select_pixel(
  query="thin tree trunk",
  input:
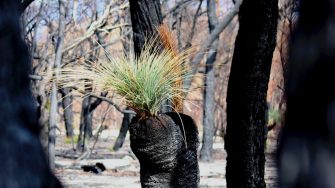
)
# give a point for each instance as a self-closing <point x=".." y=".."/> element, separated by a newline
<point x="246" y="97"/>
<point x="123" y="130"/>
<point x="206" y="152"/>
<point x="126" y="116"/>
<point x="82" y="126"/>
<point x="52" y="127"/>
<point x="68" y="114"/>
<point x="53" y="108"/>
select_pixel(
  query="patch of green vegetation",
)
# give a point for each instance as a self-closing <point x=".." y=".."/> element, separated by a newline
<point x="68" y="140"/>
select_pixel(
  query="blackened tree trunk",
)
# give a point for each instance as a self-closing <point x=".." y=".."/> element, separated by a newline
<point x="206" y="151"/>
<point x="308" y="136"/>
<point x="68" y="114"/>
<point x="146" y="15"/>
<point x="85" y="131"/>
<point x="246" y="96"/>
<point x="123" y="131"/>
<point x="165" y="145"/>
<point x="167" y="158"/>
<point x="23" y="162"/>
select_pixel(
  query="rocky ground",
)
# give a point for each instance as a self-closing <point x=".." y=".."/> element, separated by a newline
<point x="122" y="167"/>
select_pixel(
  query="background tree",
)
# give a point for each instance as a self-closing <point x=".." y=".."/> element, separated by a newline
<point x="206" y="152"/>
<point x="246" y="98"/>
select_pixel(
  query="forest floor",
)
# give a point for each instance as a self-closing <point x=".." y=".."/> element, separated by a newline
<point x="122" y="167"/>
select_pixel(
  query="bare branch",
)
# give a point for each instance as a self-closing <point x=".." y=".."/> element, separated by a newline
<point x="113" y="104"/>
<point x="95" y="26"/>
<point x="208" y="42"/>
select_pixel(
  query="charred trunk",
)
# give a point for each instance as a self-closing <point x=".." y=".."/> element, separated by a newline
<point x="167" y="158"/>
<point x="23" y="162"/>
<point x="246" y="96"/>
<point x="68" y="114"/>
<point x="308" y="136"/>
<point x="123" y="131"/>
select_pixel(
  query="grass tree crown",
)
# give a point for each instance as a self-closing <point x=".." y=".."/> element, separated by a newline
<point x="144" y="82"/>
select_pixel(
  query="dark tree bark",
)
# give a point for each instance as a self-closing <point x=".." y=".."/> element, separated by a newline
<point x="206" y="151"/>
<point x="123" y="131"/>
<point x="68" y="114"/>
<point x="167" y="158"/>
<point x="308" y="137"/>
<point x="85" y="121"/>
<point x="23" y="162"/>
<point x="146" y="15"/>
<point x="246" y="96"/>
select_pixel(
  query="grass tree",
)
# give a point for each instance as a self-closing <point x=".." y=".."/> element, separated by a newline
<point x="165" y="144"/>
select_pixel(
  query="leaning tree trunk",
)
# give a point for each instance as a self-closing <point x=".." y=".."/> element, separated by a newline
<point x="246" y="95"/>
<point x="167" y="158"/>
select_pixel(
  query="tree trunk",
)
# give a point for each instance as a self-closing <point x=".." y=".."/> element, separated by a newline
<point x="68" y="114"/>
<point x="167" y="158"/>
<point x="23" y="163"/>
<point x="126" y="116"/>
<point x="160" y="146"/>
<point x="308" y="136"/>
<point x="246" y="96"/>
<point x="123" y="131"/>
<point x="146" y="15"/>
<point x="83" y="127"/>
<point x="54" y="103"/>
<point x="206" y="152"/>
<point x="52" y="127"/>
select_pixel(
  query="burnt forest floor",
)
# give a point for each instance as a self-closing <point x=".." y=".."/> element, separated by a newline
<point x="122" y="167"/>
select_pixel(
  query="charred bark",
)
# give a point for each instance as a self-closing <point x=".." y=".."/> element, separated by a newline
<point x="123" y="131"/>
<point x="246" y="96"/>
<point x="308" y="136"/>
<point x="23" y="162"/>
<point x="160" y="146"/>
<point x="146" y="15"/>
<point x="68" y="114"/>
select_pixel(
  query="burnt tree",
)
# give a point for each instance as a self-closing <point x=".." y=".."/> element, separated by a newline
<point x="166" y="144"/>
<point x="246" y="95"/>
<point x="306" y="151"/>
<point x="145" y="16"/>
<point x="23" y="163"/>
